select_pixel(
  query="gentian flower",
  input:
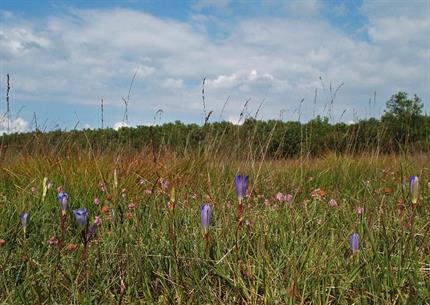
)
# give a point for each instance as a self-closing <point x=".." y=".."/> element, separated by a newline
<point x="205" y="213"/>
<point x="81" y="216"/>
<point x="63" y="198"/>
<point x="353" y="241"/>
<point x="24" y="220"/>
<point x="413" y="188"/>
<point x="241" y="182"/>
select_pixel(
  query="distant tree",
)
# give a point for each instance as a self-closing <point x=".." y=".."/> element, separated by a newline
<point x="403" y="118"/>
<point x="400" y="107"/>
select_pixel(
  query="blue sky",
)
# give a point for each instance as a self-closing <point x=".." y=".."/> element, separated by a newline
<point x="64" y="56"/>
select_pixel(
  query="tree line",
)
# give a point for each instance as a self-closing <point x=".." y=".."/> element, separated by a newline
<point x="403" y="127"/>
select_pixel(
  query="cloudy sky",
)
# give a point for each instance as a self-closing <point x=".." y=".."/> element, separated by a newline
<point x="64" y="56"/>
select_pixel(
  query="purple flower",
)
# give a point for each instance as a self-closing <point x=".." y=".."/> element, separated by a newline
<point x="359" y="210"/>
<point x="413" y="188"/>
<point x="332" y="202"/>
<point x="96" y="201"/>
<point x="289" y="198"/>
<point x="63" y="198"/>
<point x="24" y="220"/>
<point x="353" y="241"/>
<point x="81" y="216"/>
<point x="241" y="182"/>
<point x="205" y="213"/>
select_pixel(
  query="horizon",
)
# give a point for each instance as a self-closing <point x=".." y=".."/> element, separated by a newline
<point x="63" y="57"/>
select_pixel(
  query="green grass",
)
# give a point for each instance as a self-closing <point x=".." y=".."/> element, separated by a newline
<point x="296" y="253"/>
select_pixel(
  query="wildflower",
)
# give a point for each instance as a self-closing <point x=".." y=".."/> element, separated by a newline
<point x="97" y="221"/>
<point x="387" y="190"/>
<point x="105" y="209"/>
<point x="53" y="241"/>
<point x="71" y="247"/>
<point x="194" y="196"/>
<point x="413" y="188"/>
<point x="96" y="201"/>
<point x="24" y="220"/>
<point x="205" y="214"/>
<point x="2" y="242"/>
<point x="141" y="181"/>
<point x="228" y="204"/>
<point x="241" y="182"/>
<point x="281" y="197"/>
<point x="359" y="210"/>
<point x="289" y="198"/>
<point x="332" y="202"/>
<point x="164" y="183"/>
<point x="81" y="216"/>
<point x="102" y="187"/>
<point x="33" y="189"/>
<point x="353" y="241"/>
<point x="319" y="221"/>
<point x="63" y="198"/>
<point x="59" y="189"/>
<point x="318" y="194"/>
<point x="131" y="206"/>
<point x="266" y="202"/>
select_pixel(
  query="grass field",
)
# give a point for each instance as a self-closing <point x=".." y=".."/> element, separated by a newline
<point x="150" y="248"/>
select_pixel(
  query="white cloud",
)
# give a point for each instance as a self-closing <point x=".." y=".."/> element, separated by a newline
<point x="119" y="125"/>
<point x="173" y="83"/>
<point x="305" y="7"/>
<point x="86" y="54"/>
<point x="12" y="126"/>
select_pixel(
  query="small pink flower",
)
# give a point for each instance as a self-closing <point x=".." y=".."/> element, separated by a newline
<point x="97" y="221"/>
<point x="319" y="221"/>
<point x="52" y="241"/>
<point x="266" y="202"/>
<point x="33" y="189"/>
<point x="96" y="201"/>
<point x="359" y="210"/>
<point x="247" y="222"/>
<point x="289" y="198"/>
<point x="228" y="204"/>
<point x="194" y="196"/>
<point x="131" y="206"/>
<point x="141" y="181"/>
<point x="169" y="205"/>
<point x="332" y="202"/>
<point x="281" y="197"/>
<point x="164" y="183"/>
<point x="102" y="187"/>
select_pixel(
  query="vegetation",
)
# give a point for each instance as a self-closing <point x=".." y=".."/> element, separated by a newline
<point x="403" y="127"/>
<point x="340" y="228"/>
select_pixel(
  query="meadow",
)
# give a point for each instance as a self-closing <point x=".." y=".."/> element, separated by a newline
<point x="143" y="241"/>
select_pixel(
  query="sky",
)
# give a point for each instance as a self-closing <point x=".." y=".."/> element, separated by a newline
<point x="269" y="59"/>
